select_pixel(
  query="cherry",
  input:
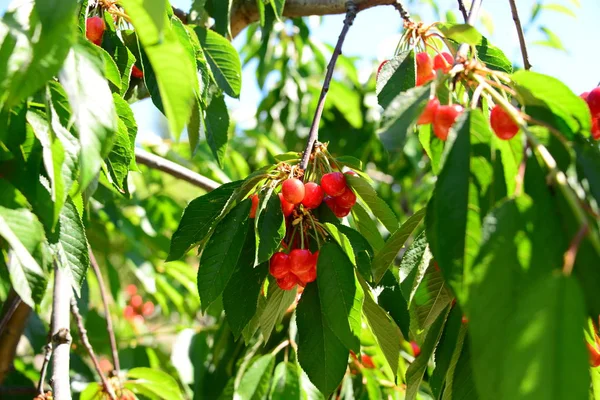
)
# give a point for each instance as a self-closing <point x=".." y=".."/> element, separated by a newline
<point x="313" y="195"/>
<point x="333" y="183"/>
<point x="308" y="276"/>
<point x="254" y="207"/>
<point x="301" y="260"/>
<point x="136" y="72"/>
<point x="129" y="312"/>
<point x="593" y="100"/>
<point x="287" y="282"/>
<point x="293" y="190"/>
<point x="286" y="208"/>
<point x="443" y="61"/>
<point x="350" y="173"/>
<point x="596" y="128"/>
<point x="338" y="211"/>
<point x="94" y="29"/>
<point x="584" y="95"/>
<point x="131" y="289"/>
<point x="136" y="301"/>
<point x="429" y="111"/>
<point x="594" y="354"/>
<point x="425" y="72"/>
<point x="415" y="348"/>
<point x="279" y="266"/>
<point x="346" y="199"/>
<point x="503" y="125"/>
<point x="105" y="365"/>
<point x="381" y="66"/>
<point x="444" y="118"/>
<point x="148" y="308"/>
<point x="464" y="319"/>
<point x="367" y="361"/>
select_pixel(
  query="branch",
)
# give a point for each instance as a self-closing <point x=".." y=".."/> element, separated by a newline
<point x="11" y="330"/>
<point x="404" y="14"/>
<point x="245" y="12"/>
<point x="44" y="369"/>
<point x="522" y="44"/>
<point x="153" y="161"/>
<point x="109" y="325"/>
<point x="86" y="343"/>
<point x="314" y="129"/>
<point x="463" y="10"/>
<point x="61" y="338"/>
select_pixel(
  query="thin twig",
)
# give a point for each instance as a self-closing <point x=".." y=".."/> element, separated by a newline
<point x="463" y="10"/>
<point x="461" y="54"/>
<point x="522" y="43"/>
<point x="402" y="10"/>
<point x="109" y="325"/>
<point x="61" y="337"/>
<point x="571" y="252"/>
<point x="153" y="161"/>
<point x="86" y="343"/>
<point x="314" y="129"/>
<point x="44" y="369"/>
<point x="520" y="178"/>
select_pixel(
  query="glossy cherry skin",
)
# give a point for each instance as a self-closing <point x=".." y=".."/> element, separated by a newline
<point x="584" y="95"/>
<point x="333" y="183"/>
<point x="293" y="191"/>
<point x="415" y="348"/>
<point x="301" y="260"/>
<point x="254" y="207"/>
<point x="429" y="112"/>
<point x="444" y="118"/>
<point x="308" y="276"/>
<point x="286" y="208"/>
<point x="129" y="312"/>
<point x="346" y="199"/>
<point x="593" y="100"/>
<point x="425" y="72"/>
<point x="131" y="289"/>
<point x="313" y="195"/>
<point x="503" y="125"/>
<point x="94" y="29"/>
<point x="287" y="282"/>
<point x="136" y="301"/>
<point x="148" y="308"/>
<point x="279" y="265"/>
<point x="367" y="361"/>
<point x="136" y="72"/>
<point x="596" y="128"/>
<point x="338" y="211"/>
<point x="443" y="61"/>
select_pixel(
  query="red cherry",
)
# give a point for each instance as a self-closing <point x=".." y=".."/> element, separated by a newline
<point x="254" y="207"/>
<point x="425" y="72"/>
<point x="300" y="261"/>
<point x="279" y="266"/>
<point x="313" y="195"/>
<point x="427" y="115"/>
<point x="136" y="301"/>
<point x="94" y="29"/>
<point x="308" y="276"/>
<point x="338" y="211"/>
<point x="131" y="289"/>
<point x="293" y="190"/>
<point x="444" y="118"/>
<point x="503" y="125"/>
<point x="596" y="128"/>
<point x="333" y="183"/>
<point x="136" y="72"/>
<point x="464" y="319"/>
<point x="594" y="354"/>
<point x="129" y="312"/>
<point x="584" y="95"/>
<point x="415" y="348"/>
<point x="381" y="66"/>
<point x="593" y="101"/>
<point x="287" y="282"/>
<point x="346" y="199"/>
<point x="148" y="308"/>
<point x="443" y="61"/>
<point x="367" y="361"/>
<point x="286" y="208"/>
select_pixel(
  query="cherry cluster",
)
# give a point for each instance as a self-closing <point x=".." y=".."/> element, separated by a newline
<point x="593" y="101"/>
<point x="136" y="309"/>
<point x="296" y="264"/>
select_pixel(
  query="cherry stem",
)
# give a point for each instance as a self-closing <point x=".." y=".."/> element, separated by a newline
<point x="571" y="252"/>
<point x="312" y="221"/>
<point x="291" y="242"/>
<point x="301" y="235"/>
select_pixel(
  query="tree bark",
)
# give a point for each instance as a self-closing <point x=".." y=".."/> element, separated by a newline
<point x="12" y="331"/>
<point x="61" y="337"/>
<point x="245" y="12"/>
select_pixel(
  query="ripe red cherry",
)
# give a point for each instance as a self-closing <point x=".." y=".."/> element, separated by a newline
<point x="346" y="199"/>
<point x="333" y="183"/>
<point x="444" y="118"/>
<point x="136" y="72"/>
<point x="593" y="101"/>
<point x="425" y="72"/>
<point x="287" y="282"/>
<point x="443" y="61"/>
<point x="279" y="265"/>
<point x="367" y="361"/>
<point x="584" y="95"/>
<point x="313" y="195"/>
<point x="308" y="276"/>
<point x="427" y="115"/>
<point x="596" y="128"/>
<point x="136" y="301"/>
<point x="94" y="29"/>
<point x="503" y="125"/>
<point x="129" y="312"/>
<point x="131" y="289"/>
<point x="148" y="308"/>
<point x="338" y="211"/>
<point x="286" y="207"/>
<point x="254" y="207"/>
<point x="381" y="66"/>
<point x="415" y="348"/>
<point x="301" y="260"/>
<point x="293" y="190"/>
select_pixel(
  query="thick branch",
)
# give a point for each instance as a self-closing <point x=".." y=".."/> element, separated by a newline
<point x="245" y="12"/>
<point x="463" y="10"/>
<point x="153" y="161"/>
<point x="522" y="44"/>
<point x="61" y="337"/>
<point x="11" y="331"/>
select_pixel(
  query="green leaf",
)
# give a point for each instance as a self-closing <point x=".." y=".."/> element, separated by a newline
<point x="111" y="71"/>
<point x="348" y="102"/>
<point x="286" y="382"/>
<point x="240" y="297"/>
<point x="255" y="382"/>
<point x="386" y="331"/>
<point x="415" y="262"/>
<point x="340" y="295"/>
<point x="432" y="146"/>
<point x="152" y="383"/>
<point x="430" y="298"/>
<point x="511" y="153"/>
<point x="446" y="352"/>
<point x="121" y="156"/>
<point x="396" y="76"/>
<point x="24" y="234"/>
<point x="199" y="217"/>
<point x="349" y="161"/>
<point x="278" y="6"/>
<point x="386" y="256"/>
<point x="175" y="80"/>
<point x="276" y="305"/>
<point x="379" y="207"/>
<point x="490" y="55"/>
<point x="321" y="354"/>
<point x="222" y="253"/>
<point x="217" y="127"/>
<point x="361" y="250"/>
<point x="552" y="40"/>
<point x="342" y="241"/>
<point x="462" y="33"/>
<point x="559" y="8"/>
<point x="221" y="12"/>
<point x="270" y="227"/>
<point x="588" y="165"/>
<point x="223" y="60"/>
<point x="367" y="227"/>
<point x="549" y="100"/>
<point x="92" y="105"/>
<point x="122" y="57"/>
<point x="394" y="303"/>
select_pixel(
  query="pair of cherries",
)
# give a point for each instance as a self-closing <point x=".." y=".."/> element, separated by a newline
<point x="297" y="268"/>
<point x="427" y="67"/>
<point x="340" y="198"/>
